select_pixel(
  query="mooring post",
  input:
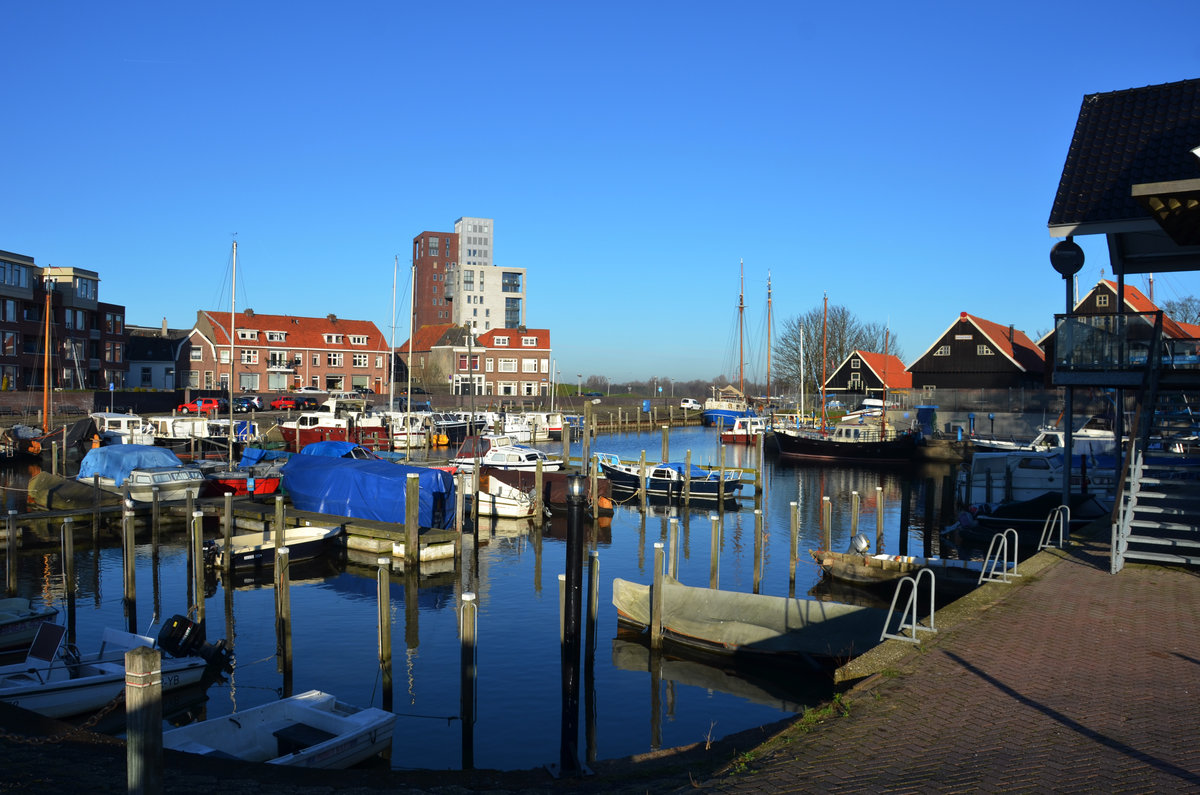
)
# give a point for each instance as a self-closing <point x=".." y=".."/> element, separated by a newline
<point x="460" y="487"/>
<point x="758" y="549"/>
<point x="127" y="546"/>
<point x="878" y="519"/>
<point x="930" y="506"/>
<point x="656" y="599"/>
<point x="467" y="625"/>
<point x="594" y="491"/>
<point x="198" y="562"/>
<point x="714" y="552"/>
<point x="227" y="533"/>
<point x="143" y="721"/>
<point x="593" y="601"/>
<point x="156" y="515"/>
<point x="642" y="480"/>
<point x="11" y="543"/>
<point x="54" y="458"/>
<point x="383" y="602"/>
<point x="826" y="523"/>
<point x="95" y="505"/>
<point x="283" y="571"/>
<point x="687" y="478"/>
<point x="793" y="545"/>
<point x="279" y="531"/>
<point x="68" y="557"/>
<point x="673" y="547"/>
<point x="721" y="480"/>
<point x="666" y="443"/>
<point x="537" y="489"/>
<point x="412" y="508"/>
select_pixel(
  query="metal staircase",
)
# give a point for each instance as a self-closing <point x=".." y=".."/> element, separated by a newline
<point x="1158" y="513"/>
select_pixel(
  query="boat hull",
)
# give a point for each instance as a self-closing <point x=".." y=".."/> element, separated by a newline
<point x="19" y="623"/>
<point x="670" y="488"/>
<point x="805" y="447"/>
<point x="257" y="550"/>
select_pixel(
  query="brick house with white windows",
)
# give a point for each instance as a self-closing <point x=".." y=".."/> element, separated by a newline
<point x="516" y="362"/>
<point x="278" y="353"/>
<point x="503" y="362"/>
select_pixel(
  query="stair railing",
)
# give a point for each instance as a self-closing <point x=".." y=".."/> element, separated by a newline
<point x="908" y="619"/>
<point x="996" y="567"/>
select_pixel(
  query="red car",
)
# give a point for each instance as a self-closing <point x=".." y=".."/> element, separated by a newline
<point x="202" y="406"/>
<point x="285" y="402"/>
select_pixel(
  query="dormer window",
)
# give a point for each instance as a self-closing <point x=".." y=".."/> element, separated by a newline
<point x="529" y="342"/>
<point x="358" y="339"/>
<point x="276" y="336"/>
<point x="333" y="339"/>
<point x="247" y="334"/>
<point x="501" y="342"/>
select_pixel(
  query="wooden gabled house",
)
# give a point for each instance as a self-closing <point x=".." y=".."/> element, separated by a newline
<point x="974" y="353"/>
<point x="867" y="375"/>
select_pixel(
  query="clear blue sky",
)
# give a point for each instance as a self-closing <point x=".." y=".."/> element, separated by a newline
<point x="901" y="158"/>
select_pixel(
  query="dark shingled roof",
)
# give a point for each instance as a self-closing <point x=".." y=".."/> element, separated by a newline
<point x="1122" y="139"/>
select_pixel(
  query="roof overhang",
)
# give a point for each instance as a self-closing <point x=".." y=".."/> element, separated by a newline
<point x="1175" y="205"/>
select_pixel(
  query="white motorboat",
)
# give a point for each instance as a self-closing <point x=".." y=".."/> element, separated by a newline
<point x="141" y="469"/>
<point x="501" y="452"/>
<point x="1024" y="475"/>
<point x="19" y="622"/>
<point x="497" y="498"/>
<point x="257" y="550"/>
<point x="311" y="729"/>
<point x="57" y="681"/>
<point x="114" y="428"/>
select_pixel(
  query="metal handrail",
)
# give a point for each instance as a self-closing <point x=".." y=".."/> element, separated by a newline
<point x="999" y="546"/>
<point x="1059" y="518"/>
<point x="908" y="619"/>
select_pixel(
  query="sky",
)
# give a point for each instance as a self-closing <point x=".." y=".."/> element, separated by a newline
<point x="900" y="159"/>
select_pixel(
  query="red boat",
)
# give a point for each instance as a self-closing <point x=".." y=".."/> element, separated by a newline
<point x="239" y="482"/>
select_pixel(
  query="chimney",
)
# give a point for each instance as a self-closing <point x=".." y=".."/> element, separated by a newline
<point x="163" y="333"/>
<point x="332" y="318"/>
<point x="248" y="312"/>
<point x="1010" y="333"/>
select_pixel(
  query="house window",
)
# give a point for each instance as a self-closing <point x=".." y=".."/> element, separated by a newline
<point x="316" y="360"/>
<point x="944" y="350"/>
<point x="358" y="339"/>
<point x="10" y="343"/>
<point x="855" y="380"/>
<point x="378" y="362"/>
<point x="359" y="360"/>
<point x="113" y="351"/>
<point x="855" y="364"/>
<point x="197" y="354"/>
<point x="247" y="334"/>
<point x="113" y="323"/>
<point x="545" y="366"/>
<point x="1101" y="300"/>
<point x="193" y="379"/>
<point x="983" y="350"/>
<point x="276" y="336"/>
<point x="333" y="360"/>
<point x="529" y="342"/>
<point x="224" y="356"/>
<point x="249" y="356"/>
<point x="333" y="339"/>
<point x="462" y="361"/>
<point x="529" y="365"/>
<point x="501" y="342"/>
<point x="147" y="377"/>
<point x="487" y="364"/>
<point x="508" y="365"/>
<point x="278" y="359"/>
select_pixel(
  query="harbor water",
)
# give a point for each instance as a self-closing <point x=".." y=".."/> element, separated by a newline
<point x="513" y="569"/>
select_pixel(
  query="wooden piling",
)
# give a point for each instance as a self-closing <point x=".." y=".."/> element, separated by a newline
<point x="460" y="487"/>
<point x="826" y="523"/>
<point x="198" y="562"/>
<point x="656" y="599"/>
<point x="855" y="502"/>
<point x="642" y="480"/>
<point x="687" y="478"/>
<point x="673" y="547"/>
<point x="793" y="545"/>
<point x="714" y="552"/>
<point x="537" y="489"/>
<point x="156" y="514"/>
<point x="11" y="565"/>
<point x="721" y="479"/>
<point x="878" y="519"/>
<point x="758" y="549"/>
<point x="279" y="519"/>
<point x="593" y="601"/>
<point x="143" y="721"/>
<point x="284" y="617"/>
<point x="666" y="443"/>
<point x="594" y="476"/>
<point x="383" y="603"/>
<point x="562" y="609"/>
<point x="467" y="628"/>
<point x="54" y="458"/>
<point x="227" y="533"/>
<point x="129" y="576"/>
<point x="412" y="507"/>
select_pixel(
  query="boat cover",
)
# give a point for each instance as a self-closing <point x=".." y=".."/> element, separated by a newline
<point x="255" y="455"/>
<point x="329" y="449"/>
<point x="698" y="473"/>
<point x="116" y="461"/>
<point x="367" y="489"/>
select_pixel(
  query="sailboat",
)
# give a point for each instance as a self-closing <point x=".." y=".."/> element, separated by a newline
<point x="863" y="439"/>
<point x="728" y="404"/>
<point x="748" y="429"/>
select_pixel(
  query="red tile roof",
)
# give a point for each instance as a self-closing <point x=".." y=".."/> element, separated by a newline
<point x="299" y="332"/>
<point x="1135" y="301"/>
<point x="488" y="338"/>
<point x="896" y="376"/>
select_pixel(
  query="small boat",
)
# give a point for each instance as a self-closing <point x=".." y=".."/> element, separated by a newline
<point x="502" y="452"/>
<point x="554" y="488"/>
<point x="343" y="479"/>
<point x="239" y="482"/>
<point x="19" y="622"/>
<point x="886" y="570"/>
<point x="670" y="478"/>
<point x="310" y="729"/>
<point x="257" y="550"/>
<point x="142" y="469"/>
<point x="752" y="626"/>
<point x="745" y="430"/>
<point x="57" y="681"/>
<point x="1019" y="476"/>
<point x="497" y="498"/>
<point x="372" y="431"/>
<point x="114" y="428"/>
<point x="864" y="440"/>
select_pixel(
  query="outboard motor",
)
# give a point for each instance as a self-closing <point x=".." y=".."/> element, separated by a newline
<point x="860" y="544"/>
<point x="211" y="552"/>
<point x="182" y="637"/>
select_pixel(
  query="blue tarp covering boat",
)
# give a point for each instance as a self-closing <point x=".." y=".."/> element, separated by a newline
<point x="256" y="455"/>
<point x="118" y="460"/>
<point x="326" y="481"/>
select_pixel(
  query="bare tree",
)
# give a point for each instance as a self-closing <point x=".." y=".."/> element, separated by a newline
<point x="1183" y="310"/>
<point x="842" y="333"/>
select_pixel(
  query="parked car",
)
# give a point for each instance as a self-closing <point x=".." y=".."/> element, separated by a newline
<point x="307" y="403"/>
<point x="364" y="390"/>
<point x="309" y="390"/>
<point x="244" y="403"/>
<point x="691" y="404"/>
<point x="593" y="394"/>
<point x="203" y="405"/>
<point x="285" y="402"/>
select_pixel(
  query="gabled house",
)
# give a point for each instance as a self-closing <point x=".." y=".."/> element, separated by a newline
<point x="153" y="354"/>
<point x="868" y="374"/>
<point x="282" y="352"/>
<point x="516" y="361"/>
<point x="432" y="358"/>
<point x="974" y="353"/>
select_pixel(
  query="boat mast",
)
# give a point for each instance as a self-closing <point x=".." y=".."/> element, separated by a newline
<point x="392" y="348"/>
<point x="46" y="367"/>
<point x="232" y="337"/>
<point x="824" y="355"/>
<point x="768" y="338"/>
<point x="883" y="413"/>
<point x="412" y="305"/>
<point x="741" y="308"/>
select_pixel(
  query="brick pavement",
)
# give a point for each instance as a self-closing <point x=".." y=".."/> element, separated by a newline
<point x="1073" y="680"/>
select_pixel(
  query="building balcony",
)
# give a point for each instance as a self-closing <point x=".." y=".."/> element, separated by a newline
<point x="1119" y="350"/>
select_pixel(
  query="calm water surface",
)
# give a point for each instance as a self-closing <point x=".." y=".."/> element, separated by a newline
<point x="514" y="573"/>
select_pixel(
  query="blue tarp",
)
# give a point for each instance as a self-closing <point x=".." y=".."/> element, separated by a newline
<point x="328" y="449"/>
<point x="116" y="461"/>
<point x="255" y="455"/>
<point x="366" y="489"/>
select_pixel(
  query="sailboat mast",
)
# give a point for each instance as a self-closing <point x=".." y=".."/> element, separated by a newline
<point x="768" y="338"/>
<point x="741" y="309"/>
<point x="824" y="357"/>
<point x="392" y="346"/>
<point x="412" y="304"/>
<point x="232" y="339"/>
<point x="883" y="413"/>
<point x="46" y="367"/>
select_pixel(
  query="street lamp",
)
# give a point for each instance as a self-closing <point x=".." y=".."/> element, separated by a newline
<point x="579" y="389"/>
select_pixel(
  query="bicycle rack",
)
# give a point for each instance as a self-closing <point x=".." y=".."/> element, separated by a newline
<point x="908" y="619"/>
<point x="999" y="546"/>
<point x="1060" y="517"/>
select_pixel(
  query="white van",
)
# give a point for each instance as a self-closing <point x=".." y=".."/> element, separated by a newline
<point x="690" y="404"/>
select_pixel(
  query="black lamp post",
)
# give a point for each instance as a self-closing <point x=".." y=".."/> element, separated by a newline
<point x="1066" y="257"/>
<point x="572" y="609"/>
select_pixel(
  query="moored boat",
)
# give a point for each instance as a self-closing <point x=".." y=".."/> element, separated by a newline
<point x="670" y="479"/>
<point x="257" y="550"/>
<point x="142" y="470"/>
<point x="19" y="622"/>
<point x="745" y="430"/>
<point x="497" y="498"/>
<point x="310" y="729"/>
<point x="882" y="570"/>
<point x="501" y="452"/>
<point x="868" y="442"/>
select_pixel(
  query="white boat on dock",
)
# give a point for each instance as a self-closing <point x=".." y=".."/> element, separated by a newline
<point x="310" y="729"/>
<point x="257" y="549"/>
